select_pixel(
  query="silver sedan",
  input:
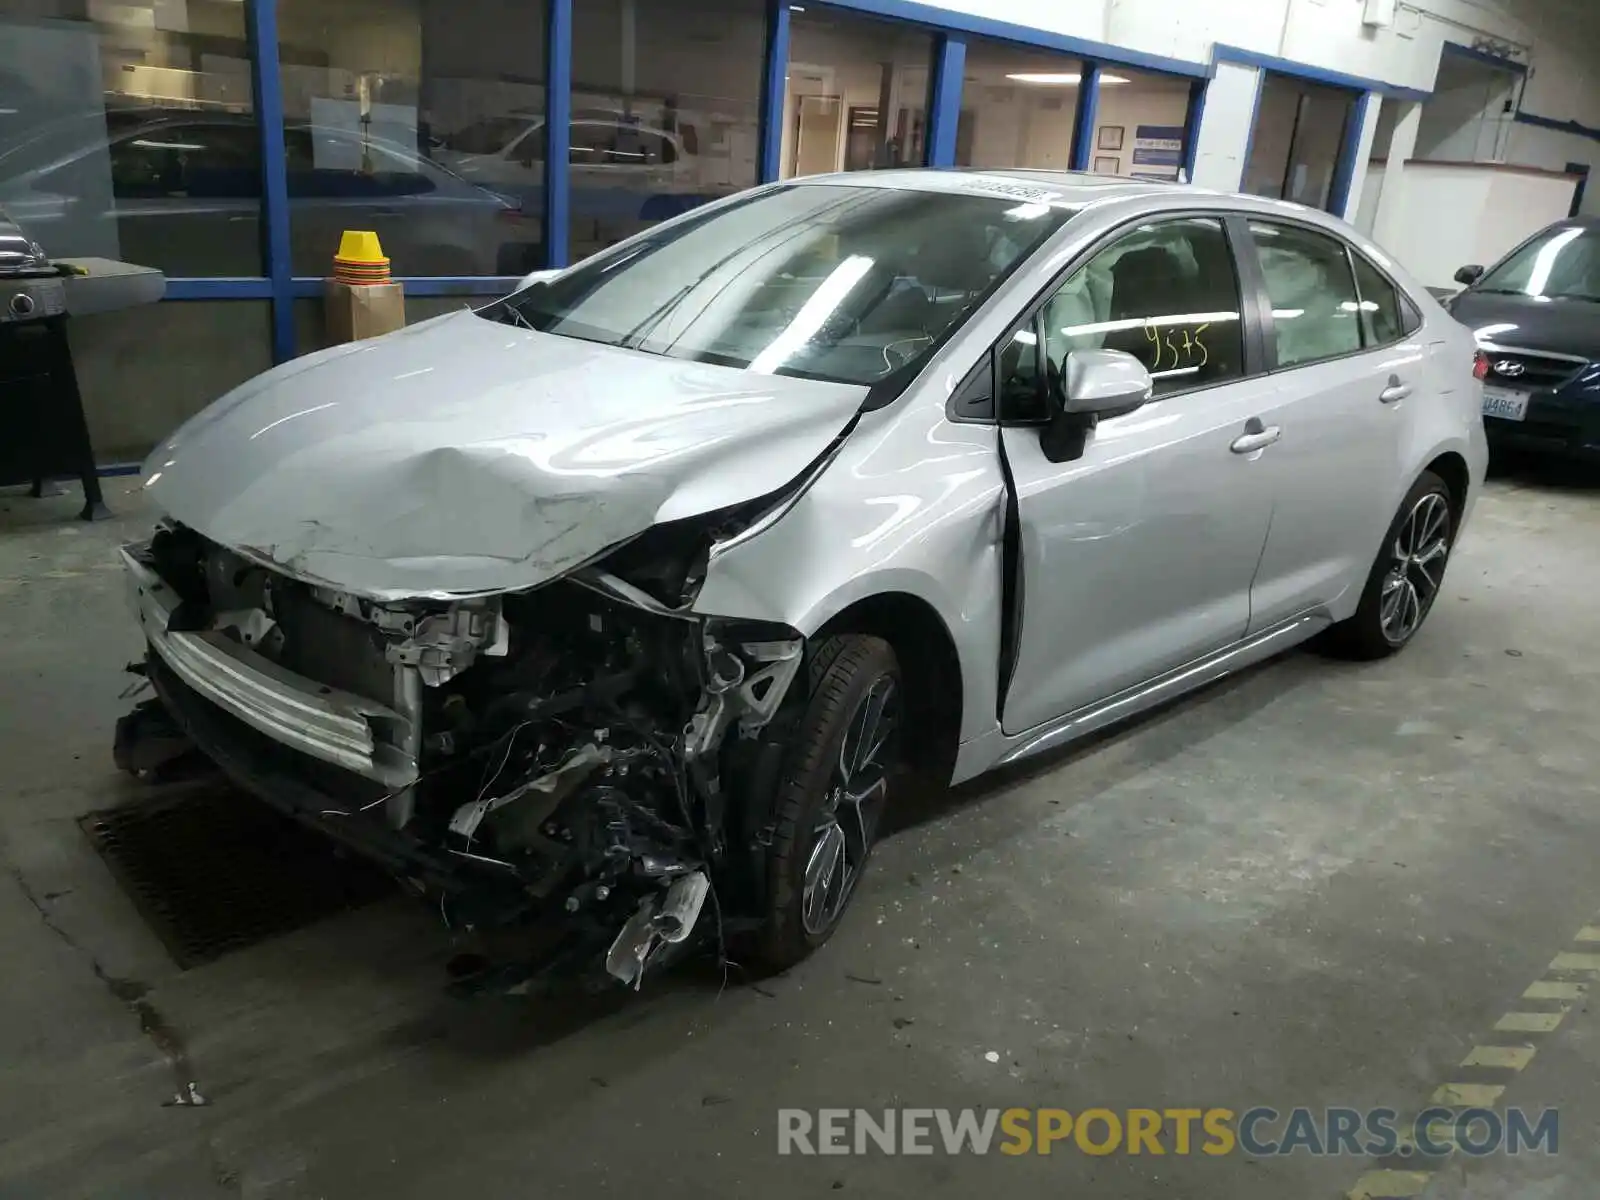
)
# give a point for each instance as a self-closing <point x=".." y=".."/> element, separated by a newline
<point x="629" y="600"/>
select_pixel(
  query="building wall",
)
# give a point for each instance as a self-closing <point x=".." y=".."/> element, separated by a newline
<point x="144" y="371"/>
<point x="1558" y="39"/>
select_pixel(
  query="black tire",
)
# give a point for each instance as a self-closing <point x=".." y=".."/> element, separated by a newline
<point x="846" y="673"/>
<point x="1367" y="635"/>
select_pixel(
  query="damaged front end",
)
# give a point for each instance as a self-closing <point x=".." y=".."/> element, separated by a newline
<point x="586" y="756"/>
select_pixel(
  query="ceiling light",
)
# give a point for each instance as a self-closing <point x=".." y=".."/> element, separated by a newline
<point x="1059" y="78"/>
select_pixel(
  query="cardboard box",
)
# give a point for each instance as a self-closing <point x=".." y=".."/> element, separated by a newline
<point x="357" y="311"/>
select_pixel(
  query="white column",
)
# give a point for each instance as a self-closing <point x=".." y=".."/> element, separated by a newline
<point x="1391" y="201"/>
<point x="1358" y="170"/>
<point x="1225" y="127"/>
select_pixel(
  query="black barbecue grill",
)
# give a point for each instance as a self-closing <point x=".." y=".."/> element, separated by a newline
<point x="43" y="433"/>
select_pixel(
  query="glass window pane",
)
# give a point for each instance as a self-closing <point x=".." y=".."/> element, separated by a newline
<point x="1022" y="381"/>
<point x="666" y="103"/>
<point x="1313" y="295"/>
<point x="1298" y="137"/>
<point x="416" y="119"/>
<point x="1381" y="319"/>
<point x="1167" y="293"/>
<point x="857" y="94"/>
<point x="821" y="281"/>
<point x="1143" y="114"/>
<point x="1017" y="107"/>
<point x="131" y="135"/>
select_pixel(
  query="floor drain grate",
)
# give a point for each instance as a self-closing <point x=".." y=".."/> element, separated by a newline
<point x="213" y="870"/>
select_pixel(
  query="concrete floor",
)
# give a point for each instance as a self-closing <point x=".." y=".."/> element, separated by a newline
<point x="1317" y="884"/>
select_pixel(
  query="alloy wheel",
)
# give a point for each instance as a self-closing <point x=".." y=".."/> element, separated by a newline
<point x="857" y="787"/>
<point x="1416" y="568"/>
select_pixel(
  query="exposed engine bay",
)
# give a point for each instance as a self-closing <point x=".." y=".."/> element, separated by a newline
<point x="587" y="752"/>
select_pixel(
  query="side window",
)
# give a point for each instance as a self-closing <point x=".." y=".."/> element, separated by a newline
<point x="1383" y="317"/>
<point x="1314" y="304"/>
<point x="1022" y="392"/>
<point x="194" y="161"/>
<point x="1167" y="293"/>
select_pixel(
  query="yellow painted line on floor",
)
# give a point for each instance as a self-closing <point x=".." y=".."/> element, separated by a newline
<point x="1397" y="1185"/>
<point x="1389" y="1185"/>
<point x="1576" y="962"/>
<point x="1512" y="1058"/>
<point x="1550" y="989"/>
<point x="1525" y="1022"/>
<point x="1467" y="1095"/>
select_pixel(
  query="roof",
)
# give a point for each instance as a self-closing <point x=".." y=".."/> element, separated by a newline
<point x="1070" y="189"/>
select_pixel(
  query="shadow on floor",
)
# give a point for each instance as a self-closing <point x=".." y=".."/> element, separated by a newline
<point x="1544" y="471"/>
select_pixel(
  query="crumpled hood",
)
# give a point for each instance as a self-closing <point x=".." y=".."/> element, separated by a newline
<point x="461" y="456"/>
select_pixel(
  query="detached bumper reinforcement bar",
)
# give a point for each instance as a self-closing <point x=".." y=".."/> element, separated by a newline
<point x="334" y="726"/>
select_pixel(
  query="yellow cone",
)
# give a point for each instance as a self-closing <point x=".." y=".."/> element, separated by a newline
<point x="360" y="246"/>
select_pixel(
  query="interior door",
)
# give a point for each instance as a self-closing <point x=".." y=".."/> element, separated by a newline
<point x="1137" y="557"/>
<point x="816" y="135"/>
<point x="1342" y="400"/>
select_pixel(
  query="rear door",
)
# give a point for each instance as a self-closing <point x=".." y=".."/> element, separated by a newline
<point x="1137" y="556"/>
<point x="1344" y="367"/>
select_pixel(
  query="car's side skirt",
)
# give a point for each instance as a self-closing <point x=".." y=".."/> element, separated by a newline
<point x="997" y="749"/>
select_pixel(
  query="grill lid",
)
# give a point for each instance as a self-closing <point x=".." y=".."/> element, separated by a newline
<point x="19" y="254"/>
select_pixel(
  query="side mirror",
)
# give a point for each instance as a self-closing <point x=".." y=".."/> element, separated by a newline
<point x="1097" y="383"/>
<point x="1469" y="275"/>
<point x="1105" y="383"/>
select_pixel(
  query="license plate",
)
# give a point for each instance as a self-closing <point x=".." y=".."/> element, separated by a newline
<point x="1506" y="403"/>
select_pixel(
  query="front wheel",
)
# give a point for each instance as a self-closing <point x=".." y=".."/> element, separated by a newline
<point x="835" y="785"/>
<point x="1405" y="579"/>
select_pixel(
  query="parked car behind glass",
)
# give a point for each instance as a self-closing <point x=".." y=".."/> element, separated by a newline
<point x="184" y="194"/>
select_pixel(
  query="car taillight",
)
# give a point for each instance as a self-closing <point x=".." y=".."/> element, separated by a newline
<point x="1480" y="365"/>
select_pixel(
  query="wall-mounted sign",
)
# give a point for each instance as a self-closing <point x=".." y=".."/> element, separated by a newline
<point x="1158" y="149"/>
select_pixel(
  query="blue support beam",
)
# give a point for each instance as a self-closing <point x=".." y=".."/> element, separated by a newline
<point x="218" y="289"/>
<point x="1221" y="53"/>
<point x="1192" y="121"/>
<point x="941" y="19"/>
<point x="261" y="25"/>
<point x="428" y="285"/>
<point x="558" y="133"/>
<point x="944" y="98"/>
<point x="1349" y="150"/>
<point x="1084" y="121"/>
<point x="774" y="76"/>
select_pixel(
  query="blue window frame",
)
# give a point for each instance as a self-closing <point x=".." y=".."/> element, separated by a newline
<point x="951" y="32"/>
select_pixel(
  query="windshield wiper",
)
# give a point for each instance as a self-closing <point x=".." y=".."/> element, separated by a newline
<point x="520" y="316"/>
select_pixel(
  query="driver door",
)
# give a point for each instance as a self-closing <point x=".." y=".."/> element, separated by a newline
<point x="1137" y="557"/>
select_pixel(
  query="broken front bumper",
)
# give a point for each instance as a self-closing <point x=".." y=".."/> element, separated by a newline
<point x="336" y="727"/>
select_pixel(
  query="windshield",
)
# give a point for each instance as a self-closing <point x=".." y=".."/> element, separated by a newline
<point x="832" y="282"/>
<point x="1561" y="264"/>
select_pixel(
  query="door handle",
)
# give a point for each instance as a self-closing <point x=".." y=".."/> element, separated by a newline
<point x="1256" y="437"/>
<point x="1395" y="391"/>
